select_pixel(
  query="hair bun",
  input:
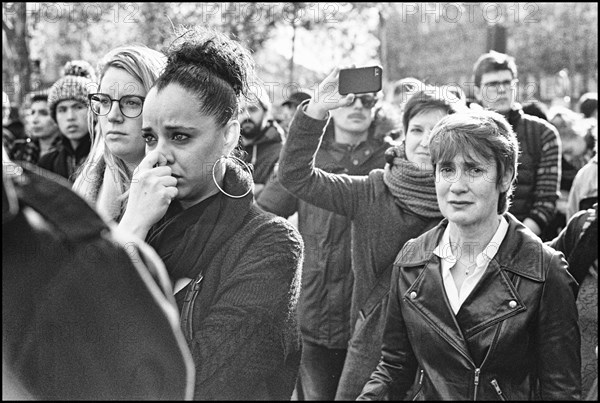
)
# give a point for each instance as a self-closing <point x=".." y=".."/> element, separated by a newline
<point x="79" y="68"/>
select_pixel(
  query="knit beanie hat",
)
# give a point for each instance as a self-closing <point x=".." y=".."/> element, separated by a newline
<point x="78" y="81"/>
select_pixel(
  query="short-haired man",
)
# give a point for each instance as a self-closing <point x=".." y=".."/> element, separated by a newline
<point x="261" y="138"/>
<point x="43" y="133"/>
<point x="539" y="170"/>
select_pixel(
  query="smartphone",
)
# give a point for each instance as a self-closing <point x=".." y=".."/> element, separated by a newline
<point x="360" y="80"/>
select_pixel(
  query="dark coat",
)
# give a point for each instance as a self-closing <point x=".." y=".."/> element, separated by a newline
<point x="241" y="326"/>
<point x="379" y="229"/>
<point x="64" y="160"/>
<point x="86" y="313"/>
<point x="515" y="337"/>
<point x="324" y="306"/>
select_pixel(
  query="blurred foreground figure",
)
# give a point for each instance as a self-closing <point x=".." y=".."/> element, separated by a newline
<point x="87" y="313"/>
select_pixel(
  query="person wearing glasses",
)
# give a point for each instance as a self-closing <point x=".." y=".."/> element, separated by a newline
<point x="538" y="188"/>
<point x="387" y="207"/>
<point x="236" y="268"/>
<point x="354" y="143"/>
<point x="67" y="102"/>
<point x="126" y="74"/>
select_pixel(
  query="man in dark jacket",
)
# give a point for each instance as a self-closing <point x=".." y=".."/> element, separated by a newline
<point x="539" y="170"/>
<point x="68" y="104"/>
<point x="261" y="138"/>
<point x="353" y="144"/>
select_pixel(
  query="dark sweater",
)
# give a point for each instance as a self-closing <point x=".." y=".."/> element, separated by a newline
<point x="245" y="339"/>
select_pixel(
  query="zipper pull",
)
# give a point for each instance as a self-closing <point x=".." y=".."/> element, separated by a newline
<point x="476" y="382"/>
<point x="197" y="282"/>
<point x="494" y="383"/>
<point x="421" y="377"/>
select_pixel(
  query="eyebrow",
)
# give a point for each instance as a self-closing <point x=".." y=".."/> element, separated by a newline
<point x="179" y="127"/>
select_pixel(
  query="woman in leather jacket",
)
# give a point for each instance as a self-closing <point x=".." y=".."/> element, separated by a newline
<point x="480" y="308"/>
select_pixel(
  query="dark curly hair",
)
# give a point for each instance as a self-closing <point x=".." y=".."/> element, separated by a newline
<point x="213" y="67"/>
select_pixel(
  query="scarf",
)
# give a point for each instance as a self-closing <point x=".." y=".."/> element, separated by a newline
<point x="187" y="240"/>
<point x="413" y="188"/>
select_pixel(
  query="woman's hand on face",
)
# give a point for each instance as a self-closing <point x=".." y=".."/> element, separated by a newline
<point x="151" y="192"/>
<point x="328" y="97"/>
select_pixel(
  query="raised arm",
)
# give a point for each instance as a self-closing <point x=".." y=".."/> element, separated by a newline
<point x="297" y="171"/>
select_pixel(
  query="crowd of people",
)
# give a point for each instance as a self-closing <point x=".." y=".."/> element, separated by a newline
<point x="443" y="248"/>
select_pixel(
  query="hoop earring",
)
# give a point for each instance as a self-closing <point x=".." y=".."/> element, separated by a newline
<point x="215" y="179"/>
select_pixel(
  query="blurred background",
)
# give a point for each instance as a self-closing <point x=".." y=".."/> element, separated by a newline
<point x="296" y="44"/>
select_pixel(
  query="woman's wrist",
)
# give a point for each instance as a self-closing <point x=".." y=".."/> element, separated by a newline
<point x="134" y="226"/>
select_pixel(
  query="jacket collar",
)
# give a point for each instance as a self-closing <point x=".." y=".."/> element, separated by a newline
<point x="520" y="252"/>
<point x="494" y="299"/>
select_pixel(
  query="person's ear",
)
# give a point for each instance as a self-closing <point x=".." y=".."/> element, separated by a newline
<point x="477" y="93"/>
<point x="506" y="181"/>
<point x="231" y="134"/>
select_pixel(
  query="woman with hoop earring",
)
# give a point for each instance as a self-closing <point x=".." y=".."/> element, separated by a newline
<point x="236" y="268"/>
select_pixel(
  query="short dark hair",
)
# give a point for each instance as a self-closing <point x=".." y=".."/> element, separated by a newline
<point x="486" y="133"/>
<point x="426" y="100"/>
<point x="588" y="103"/>
<point x="493" y="61"/>
<point x="39" y="97"/>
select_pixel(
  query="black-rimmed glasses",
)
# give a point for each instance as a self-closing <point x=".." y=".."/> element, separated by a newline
<point x="130" y="105"/>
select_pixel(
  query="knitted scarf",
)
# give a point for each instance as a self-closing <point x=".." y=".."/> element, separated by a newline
<point x="413" y="188"/>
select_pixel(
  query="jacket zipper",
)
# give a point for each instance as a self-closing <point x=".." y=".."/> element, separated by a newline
<point x="420" y="385"/>
<point x="496" y="386"/>
<point x="190" y="300"/>
<point x="476" y="382"/>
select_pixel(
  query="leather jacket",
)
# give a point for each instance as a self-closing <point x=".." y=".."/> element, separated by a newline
<point x="515" y="337"/>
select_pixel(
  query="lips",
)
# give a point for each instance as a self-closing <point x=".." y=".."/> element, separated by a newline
<point x="356" y="116"/>
<point x="116" y="133"/>
<point x="72" y="127"/>
<point x="460" y="203"/>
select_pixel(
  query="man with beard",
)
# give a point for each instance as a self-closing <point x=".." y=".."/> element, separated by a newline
<point x="68" y="104"/>
<point x="44" y="136"/>
<point x="539" y="170"/>
<point x="261" y="138"/>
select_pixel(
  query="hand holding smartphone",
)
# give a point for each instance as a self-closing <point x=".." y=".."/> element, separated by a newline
<point x="360" y="80"/>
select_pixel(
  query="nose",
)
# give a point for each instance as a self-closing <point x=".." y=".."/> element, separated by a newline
<point x="162" y="146"/>
<point x="425" y="138"/>
<point x="115" y="115"/>
<point x="459" y="183"/>
<point x="357" y="104"/>
<point x="70" y="114"/>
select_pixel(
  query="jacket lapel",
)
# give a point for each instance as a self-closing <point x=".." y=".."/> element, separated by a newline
<point x="424" y="297"/>
<point x="494" y="299"/>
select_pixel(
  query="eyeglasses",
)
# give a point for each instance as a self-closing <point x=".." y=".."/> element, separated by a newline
<point x="495" y="85"/>
<point x="129" y="105"/>
<point x="367" y="101"/>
